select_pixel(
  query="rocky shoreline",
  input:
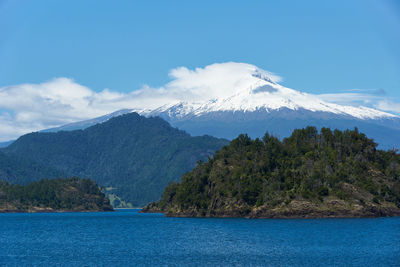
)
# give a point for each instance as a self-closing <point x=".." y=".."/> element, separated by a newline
<point x="294" y="210"/>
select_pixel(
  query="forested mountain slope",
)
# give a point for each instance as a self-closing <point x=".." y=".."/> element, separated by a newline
<point x="20" y="170"/>
<point x="132" y="156"/>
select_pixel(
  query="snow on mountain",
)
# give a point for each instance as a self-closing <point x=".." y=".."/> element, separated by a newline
<point x="224" y="100"/>
<point x="255" y="91"/>
<point x="253" y="102"/>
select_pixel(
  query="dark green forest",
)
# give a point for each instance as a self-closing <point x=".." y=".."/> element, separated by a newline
<point x="20" y="170"/>
<point x="132" y="156"/>
<point x="326" y="173"/>
<point x="71" y="194"/>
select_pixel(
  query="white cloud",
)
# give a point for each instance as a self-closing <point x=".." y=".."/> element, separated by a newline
<point x="352" y="99"/>
<point x="374" y="98"/>
<point x="31" y="107"/>
<point x="388" y="105"/>
<point x="215" y="80"/>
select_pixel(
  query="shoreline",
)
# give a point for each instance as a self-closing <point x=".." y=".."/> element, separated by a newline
<point x="273" y="217"/>
<point x="51" y="211"/>
<point x="370" y="212"/>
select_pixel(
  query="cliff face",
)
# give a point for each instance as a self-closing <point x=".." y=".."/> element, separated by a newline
<point x="308" y="175"/>
<point x="53" y="196"/>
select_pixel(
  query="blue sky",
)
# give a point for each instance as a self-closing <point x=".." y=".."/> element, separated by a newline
<point x="316" y="46"/>
<point x="339" y="49"/>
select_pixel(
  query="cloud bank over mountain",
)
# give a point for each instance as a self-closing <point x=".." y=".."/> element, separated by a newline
<point x="31" y="107"/>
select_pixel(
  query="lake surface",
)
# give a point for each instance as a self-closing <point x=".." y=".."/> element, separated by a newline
<point x="127" y="238"/>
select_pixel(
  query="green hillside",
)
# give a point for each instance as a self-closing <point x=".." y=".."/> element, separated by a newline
<point x="309" y="174"/>
<point x="71" y="194"/>
<point x="132" y="156"/>
<point x="20" y="170"/>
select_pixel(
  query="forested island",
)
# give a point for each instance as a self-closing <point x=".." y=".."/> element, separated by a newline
<point x="310" y="174"/>
<point x="56" y="195"/>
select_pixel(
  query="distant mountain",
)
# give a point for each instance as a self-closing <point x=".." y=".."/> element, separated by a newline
<point x="132" y="156"/>
<point x="282" y="122"/>
<point x="5" y="144"/>
<point x="309" y="174"/>
<point x="81" y="125"/>
<point x="258" y="104"/>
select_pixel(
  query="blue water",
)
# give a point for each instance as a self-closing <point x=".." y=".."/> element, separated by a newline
<point x="128" y="238"/>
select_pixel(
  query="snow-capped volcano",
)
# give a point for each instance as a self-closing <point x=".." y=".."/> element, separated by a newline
<point x="224" y="100"/>
<point x="252" y="89"/>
